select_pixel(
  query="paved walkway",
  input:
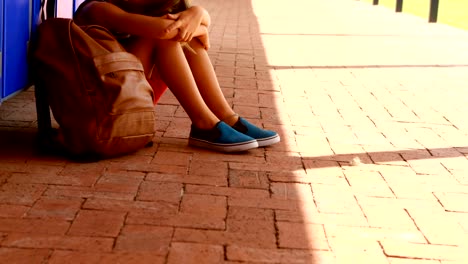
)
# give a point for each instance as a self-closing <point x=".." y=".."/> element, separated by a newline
<point x="372" y="168"/>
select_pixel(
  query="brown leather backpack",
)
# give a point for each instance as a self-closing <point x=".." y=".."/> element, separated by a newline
<point x="98" y="92"/>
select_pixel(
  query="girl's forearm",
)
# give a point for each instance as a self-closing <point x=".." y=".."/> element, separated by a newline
<point x="206" y="19"/>
<point x="201" y="30"/>
<point x="117" y="20"/>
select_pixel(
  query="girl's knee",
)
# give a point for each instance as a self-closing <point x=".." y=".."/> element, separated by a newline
<point x="165" y="44"/>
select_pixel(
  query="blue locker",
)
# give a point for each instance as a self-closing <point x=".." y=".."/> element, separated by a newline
<point x="15" y="30"/>
<point x="1" y="50"/>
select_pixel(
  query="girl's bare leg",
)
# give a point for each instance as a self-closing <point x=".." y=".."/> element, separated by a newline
<point x="192" y="79"/>
<point x="211" y="92"/>
<point x="171" y="64"/>
<point x="207" y="83"/>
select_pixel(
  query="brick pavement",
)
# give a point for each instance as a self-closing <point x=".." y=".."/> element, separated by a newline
<point x="372" y="168"/>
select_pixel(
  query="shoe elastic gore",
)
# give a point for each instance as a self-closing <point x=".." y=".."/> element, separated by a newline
<point x="221" y="138"/>
<point x="264" y="137"/>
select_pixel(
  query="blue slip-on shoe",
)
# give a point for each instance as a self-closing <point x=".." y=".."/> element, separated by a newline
<point x="264" y="137"/>
<point x="222" y="138"/>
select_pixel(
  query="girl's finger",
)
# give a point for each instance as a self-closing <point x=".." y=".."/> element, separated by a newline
<point x="190" y="37"/>
<point x="172" y="16"/>
<point x="173" y="26"/>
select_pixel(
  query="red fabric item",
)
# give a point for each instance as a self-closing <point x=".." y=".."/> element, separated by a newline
<point x="158" y="85"/>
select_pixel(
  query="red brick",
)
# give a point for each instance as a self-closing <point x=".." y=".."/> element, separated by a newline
<point x="402" y="249"/>
<point x="11" y="210"/>
<point x="142" y="156"/>
<point x="87" y="192"/>
<point x="443" y="182"/>
<point x="361" y="250"/>
<point x="335" y="199"/>
<point x="139" y="238"/>
<point x="244" y="71"/>
<point x="258" y="221"/>
<point x="160" y="191"/>
<point x="81" y="169"/>
<point x="26" y="256"/>
<point x="302" y="177"/>
<point x="250" y="112"/>
<point x="438" y="228"/>
<point x="21" y="194"/>
<point x="22" y="240"/>
<point x="248" y="254"/>
<point x="261" y="231"/>
<point x="401" y="203"/>
<point x="13" y="166"/>
<point x="368" y="183"/>
<point x="204" y="180"/>
<point x="226" y="67"/>
<point x="460" y="176"/>
<point x="195" y="253"/>
<point x="123" y="174"/>
<point x="215" y="206"/>
<point x="254" y="156"/>
<point x="454" y="202"/>
<point x="248" y="179"/>
<point x="291" y="191"/>
<point x="174" y="144"/>
<point x="325" y="168"/>
<point x="264" y="203"/>
<point x="97" y="223"/>
<point x="461" y="219"/>
<point x="192" y="220"/>
<point x="317" y="147"/>
<point x="390" y="217"/>
<point x="59" y="257"/>
<point x="162" y="208"/>
<point x="40" y="168"/>
<point x="245" y="226"/>
<point x="212" y="168"/>
<point x="412" y="261"/>
<point x="4" y="175"/>
<point x="78" y="179"/>
<point x="56" y="207"/>
<point x="462" y="261"/>
<point x="386" y="157"/>
<point x="312" y="216"/>
<point x="301" y="236"/>
<point x="164" y="109"/>
<point x="248" y="213"/>
<point x="374" y="233"/>
<point x="288" y="158"/>
<point x="226" y="191"/>
<point x="261" y="167"/>
<point x="37" y="226"/>
<point x="48" y="160"/>
<point x="118" y="182"/>
<point x="144" y="167"/>
<point x="172" y="158"/>
<point x="245" y="95"/>
<point x="407" y="185"/>
<point x="456" y="164"/>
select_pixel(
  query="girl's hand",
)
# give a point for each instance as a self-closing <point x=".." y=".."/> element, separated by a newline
<point x="171" y="17"/>
<point x="204" y="39"/>
<point x="187" y="22"/>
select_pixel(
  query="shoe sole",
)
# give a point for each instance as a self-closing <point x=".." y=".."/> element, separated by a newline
<point x="264" y="142"/>
<point x="235" y="147"/>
